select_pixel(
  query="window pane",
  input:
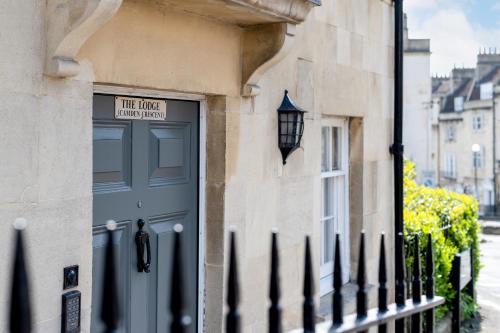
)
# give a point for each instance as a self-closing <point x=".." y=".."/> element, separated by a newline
<point x="324" y="148"/>
<point x="327" y="246"/>
<point x="333" y="216"/>
<point x="327" y="188"/>
<point x="477" y="159"/>
<point x="336" y="145"/>
<point x="451" y="133"/>
<point x="459" y="103"/>
<point x="339" y="200"/>
<point x="454" y="165"/>
<point x="477" y="122"/>
<point x="486" y="90"/>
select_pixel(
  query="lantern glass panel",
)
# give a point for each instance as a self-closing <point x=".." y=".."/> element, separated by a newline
<point x="292" y="128"/>
<point x="283" y="123"/>
<point x="298" y="127"/>
<point x="281" y="129"/>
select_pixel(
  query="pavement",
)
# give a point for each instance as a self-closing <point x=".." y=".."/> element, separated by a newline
<point x="490" y="227"/>
<point x="488" y="284"/>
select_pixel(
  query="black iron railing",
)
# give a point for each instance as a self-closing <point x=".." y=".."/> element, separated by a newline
<point x="385" y="313"/>
<point x="461" y="278"/>
<point x="361" y="321"/>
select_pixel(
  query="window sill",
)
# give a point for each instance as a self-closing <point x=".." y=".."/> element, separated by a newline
<point x="349" y="296"/>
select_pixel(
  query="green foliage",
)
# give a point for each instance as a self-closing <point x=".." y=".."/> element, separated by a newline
<point x="429" y="210"/>
<point x="468" y="305"/>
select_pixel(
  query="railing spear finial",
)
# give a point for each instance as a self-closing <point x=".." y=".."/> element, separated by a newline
<point x="429" y="284"/>
<point x="416" y="281"/>
<point x="308" y="307"/>
<point x="20" y="305"/>
<point x="233" y="292"/>
<point x="416" y="284"/>
<point x="400" y="286"/>
<point x="337" y="304"/>
<point x="429" y="268"/>
<point x="274" y="290"/>
<point x="361" y="294"/>
<point x="180" y="321"/>
<point x="382" y="279"/>
<point x="110" y="307"/>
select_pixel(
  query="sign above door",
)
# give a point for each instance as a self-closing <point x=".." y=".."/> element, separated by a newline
<point x="140" y="108"/>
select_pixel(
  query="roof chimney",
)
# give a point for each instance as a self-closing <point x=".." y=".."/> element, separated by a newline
<point x="487" y="59"/>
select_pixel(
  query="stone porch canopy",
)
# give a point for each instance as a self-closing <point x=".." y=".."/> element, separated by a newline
<point x="269" y="27"/>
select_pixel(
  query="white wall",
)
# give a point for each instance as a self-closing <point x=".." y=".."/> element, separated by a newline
<point x="417" y="116"/>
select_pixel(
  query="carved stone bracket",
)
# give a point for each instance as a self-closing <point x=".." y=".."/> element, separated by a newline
<point x="263" y="47"/>
<point x="69" y="24"/>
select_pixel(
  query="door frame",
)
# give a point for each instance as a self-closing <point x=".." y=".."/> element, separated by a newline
<point x="152" y="93"/>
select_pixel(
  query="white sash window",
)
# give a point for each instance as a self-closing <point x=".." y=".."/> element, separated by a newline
<point x="335" y="199"/>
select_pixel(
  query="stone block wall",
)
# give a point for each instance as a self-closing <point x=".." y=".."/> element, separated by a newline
<point x="341" y="65"/>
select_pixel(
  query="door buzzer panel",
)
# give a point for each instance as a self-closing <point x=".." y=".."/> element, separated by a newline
<point x="169" y="152"/>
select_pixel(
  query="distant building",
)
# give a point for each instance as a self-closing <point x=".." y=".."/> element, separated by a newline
<point x="418" y="134"/>
<point x="466" y="131"/>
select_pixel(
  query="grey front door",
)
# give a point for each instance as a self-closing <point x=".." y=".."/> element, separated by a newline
<point x="145" y="170"/>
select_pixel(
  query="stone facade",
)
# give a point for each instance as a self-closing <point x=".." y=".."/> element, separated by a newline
<point x="337" y="63"/>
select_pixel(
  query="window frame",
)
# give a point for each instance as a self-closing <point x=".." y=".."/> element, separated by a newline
<point x="458" y="104"/>
<point x="326" y="270"/>
<point x="451" y="164"/>
<point x="486" y="91"/>
<point x="477" y="125"/>
<point x="478" y="159"/>
<point x="451" y="132"/>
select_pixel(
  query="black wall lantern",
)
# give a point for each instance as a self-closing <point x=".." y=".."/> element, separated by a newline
<point x="290" y="126"/>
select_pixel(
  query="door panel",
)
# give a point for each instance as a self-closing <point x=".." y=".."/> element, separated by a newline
<point x="162" y="240"/>
<point x="122" y="240"/>
<point x="147" y="170"/>
<point x="111" y="155"/>
<point x="169" y="153"/>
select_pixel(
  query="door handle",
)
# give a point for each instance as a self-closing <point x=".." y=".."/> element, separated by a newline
<point x="142" y="242"/>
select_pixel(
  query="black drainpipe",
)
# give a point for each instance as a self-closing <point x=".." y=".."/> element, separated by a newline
<point x="396" y="149"/>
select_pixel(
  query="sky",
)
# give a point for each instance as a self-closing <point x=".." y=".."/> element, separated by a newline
<point x="457" y="29"/>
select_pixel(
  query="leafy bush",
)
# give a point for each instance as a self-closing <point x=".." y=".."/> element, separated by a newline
<point x="429" y="210"/>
